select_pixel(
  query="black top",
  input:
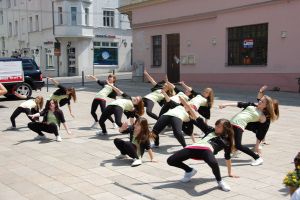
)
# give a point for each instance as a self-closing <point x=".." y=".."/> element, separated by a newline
<point x="113" y="94"/>
<point x="143" y="145"/>
<point x="218" y="143"/>
<point x="58" y="114"/>
<point x="62" y="91"/>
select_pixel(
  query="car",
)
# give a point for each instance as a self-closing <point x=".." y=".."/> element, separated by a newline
<point x="33" y="78"/>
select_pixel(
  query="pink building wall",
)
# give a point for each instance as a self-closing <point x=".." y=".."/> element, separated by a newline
<point x="283" y="53"/>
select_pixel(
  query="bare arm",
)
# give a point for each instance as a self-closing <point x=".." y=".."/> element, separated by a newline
<point x="117" y="90"/>
<point x="92" y="77"/>
<point x="3" y="90"/>
<point x="167" y="98"/>
<point x="261" y="91"/>
<point x="149" y="78"/>
<point x="151" y="155"/>
<point x="193" y="114"/>
<point x="70" y="110"/>
<point x="35" y="115"/>
<point x="20" y="96"/>
<point x="228" y="164"/>
<point x="56" y="83"/>
<point x="186" y="87"/>
<point x="67" y="129"/>
<point x="226" y="105"/>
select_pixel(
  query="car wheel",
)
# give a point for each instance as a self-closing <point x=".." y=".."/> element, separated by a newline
<point x="24" y="89"/>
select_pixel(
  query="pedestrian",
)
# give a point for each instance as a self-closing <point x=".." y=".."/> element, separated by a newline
<point x="52" y="118"/>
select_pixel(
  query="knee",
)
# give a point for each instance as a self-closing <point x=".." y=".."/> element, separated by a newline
<point x="171" y="161"/>
<point x="30" y="125"/>
<point x="238" y="146"/>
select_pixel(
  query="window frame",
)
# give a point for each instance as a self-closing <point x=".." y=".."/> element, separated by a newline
<point x="156" y="50"/>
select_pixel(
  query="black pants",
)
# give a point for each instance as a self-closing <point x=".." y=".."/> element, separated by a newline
<point x="126" y="148"/>
<point x="17" y="112"/>
<point x="176" y="124"/>
<point x="38" y="127"/>
<point x="238" y="135"/>
<point x="149" y="107"/>
<point x="107" y="112"/>
<point x="167" y="106"/>
<point x="177" y="159"/>
<point x="63" y="102"/>
<point x="95" y="104"/>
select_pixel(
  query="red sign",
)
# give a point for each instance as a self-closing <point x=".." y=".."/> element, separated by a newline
<point x="57" y="52"/>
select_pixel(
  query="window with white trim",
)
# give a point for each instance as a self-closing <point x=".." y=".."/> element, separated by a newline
<point x="60" y="16"/>
<point x="16" y="28"/>
<point x="106" y="53"/>
<point x="108" y="18"/>
<point x="30" y="24"/>
<point x="86" y="16"/>
<point x="1" y="17"/>
<point x="49" y="59"/>
<point x="9" y="29"/>
<point x="73" y="16"/>
<point x="37" y="23"/>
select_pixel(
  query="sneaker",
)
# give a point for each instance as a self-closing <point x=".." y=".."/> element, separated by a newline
<point x="235" y="154"/>
<point x="257" y="162"/>
<point x="224" y="186"/>
<point x="154" y="146"/>
<point x="116" y="126"/>
<point x="100" y="132"/>
<point x="58" y="138"/>
<point x="188" y="175"/>
<point x="11" y="128"/>
<point x="94" y="125"/>
<point x="40" y="137"/>
<point x="136" y="162"/>
<point x="121" y="156"/>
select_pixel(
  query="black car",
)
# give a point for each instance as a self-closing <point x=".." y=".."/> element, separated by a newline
<point x="33" y="78"/>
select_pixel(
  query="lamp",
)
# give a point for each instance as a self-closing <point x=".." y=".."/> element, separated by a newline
<point x="283" y="34"/>
<point x="214" y="41"/>
<point x="69" y="44"/>
<point x="124" y="42"/>
<point x="37" y="51"/>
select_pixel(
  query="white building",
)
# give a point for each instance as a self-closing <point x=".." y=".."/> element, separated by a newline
<point x="93" y="35"/>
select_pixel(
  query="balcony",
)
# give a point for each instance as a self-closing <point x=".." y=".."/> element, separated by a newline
<point x="74" y="31"/>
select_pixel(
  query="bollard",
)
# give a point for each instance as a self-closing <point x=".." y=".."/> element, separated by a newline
<point x="82" y="80"/>
<point x="47" y="82"/>
<point x="299" y="84"/>
<point x="113" y="72"/>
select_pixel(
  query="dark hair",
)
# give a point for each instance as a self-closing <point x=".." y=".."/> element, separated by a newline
<point x="227" y="131"/>
<point x="297" y="160"/>
<point x="112" y="76"/>
<point x="47" y="106"/>
<point x="145" y="133"/>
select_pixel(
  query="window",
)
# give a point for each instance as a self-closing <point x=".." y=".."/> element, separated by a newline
<point x="8" y="4"/>
<point x="86" y="16"/>
<point x="108" y="18"/>
<point x="248" y="45"/>
<point x="49" y="59"/>
<point x="105" y="54"/>
<point x="37" y="23"/>
<point x="9" y="29"/>
<point x="27" y="65"/>
<point x="16" y="28"/>
<point x="23" y="26"/>
<point x="30" y="24"/>
<point x="60" y="16"/>
<point x="1" y="17"/>
<point x="156" y="50"/>
<point x="15" y="2"/>
<point x="73" y="16"/>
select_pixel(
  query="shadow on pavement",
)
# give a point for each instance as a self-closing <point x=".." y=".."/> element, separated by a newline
<point x="116" y="162"/>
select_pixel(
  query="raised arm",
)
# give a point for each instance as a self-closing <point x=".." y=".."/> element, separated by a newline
<point x="149" y="78"/>
<point x="186" y="87"/>
<point x="117" y="90"/>
<point x="167" y="98"/>
<point x="92" y="77"/>
<point x="227" y="105"/>
<point x="56" y="83"/>
<point x="261" y="91"/>
<point x="3" y="90"/>
<point x="193" y="114"/>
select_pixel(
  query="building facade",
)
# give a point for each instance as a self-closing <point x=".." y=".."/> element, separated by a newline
<point x="246" y="43"/>
<point x="92" y="35"/>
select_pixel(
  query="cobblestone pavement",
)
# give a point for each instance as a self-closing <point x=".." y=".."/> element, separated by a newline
<point x="83" y="166"/>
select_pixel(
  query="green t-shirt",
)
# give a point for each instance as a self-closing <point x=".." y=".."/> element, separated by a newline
<point x="51" y="118"/>
<point x="198" y="101"/>
<point x="106" y="90"/>
<point x="176" y="99"/>
<point x="249" y="114"/>
<point x="58" y="98"/>
<point x="179" y="112"/>
<point x="155" y="96"/>
<point x="125" y="104"/>
<point x="204" y="142"/>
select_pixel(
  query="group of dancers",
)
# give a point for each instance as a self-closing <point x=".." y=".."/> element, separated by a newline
<point x="180" y="109"/>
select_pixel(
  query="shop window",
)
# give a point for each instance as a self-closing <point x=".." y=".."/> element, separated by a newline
<point x="156" y="50"/>
<point x="248" y="45"/>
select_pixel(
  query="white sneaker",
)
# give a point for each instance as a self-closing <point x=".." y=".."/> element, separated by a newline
<point x="100" y="132"/>
<point x="94" y="125"/>
<point x="58" y="138"/>
<point x="153" y="146"/>
<point x="40" y="137"/>
<point x="235" y="154"/>
<point x="224" y="186"/>
<point x="136" y="162"/>
<point x="121" y="156"/>
<point x="116" y="126"/>
<point x="187" y="176"/>
<point x="257" y="162"/>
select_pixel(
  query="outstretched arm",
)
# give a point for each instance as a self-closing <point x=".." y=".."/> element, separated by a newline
<point x="193" y="114"/>
<point x="70" y="110"/>
<point x="3" y="90"/>
<point x="228" y="104"/>
<point x="261" y="91"/>
<point x="228" y="164"/>
<point x="149" y="78"/>
<point x="117" y="90"/>
<point x="92" y="77"/>
<point x="186" y="87"/>
<point x="167" y="98"/>
<point x="56" y="83"/>
<point x="67" y="128"/>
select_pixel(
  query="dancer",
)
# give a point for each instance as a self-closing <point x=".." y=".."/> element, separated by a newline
<point x="28" y="107"/>
<point x="156" y="95"/>
<point x="63" y="95"/>
<point x="139" y="141"/>
<point x="3" y="90"/>
<point x="100" y="98"/>
<point x="215" y="140"/>
<point x="52" y="118"/>
<point x="130" y="106"/>
<point x="250" y="113"/>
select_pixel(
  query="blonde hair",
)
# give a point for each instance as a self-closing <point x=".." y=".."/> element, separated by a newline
<point x="72" y="93"/>
<point x="39" y="100"/>
<point x="269" y="110"/>
<point x="211" y="96"/>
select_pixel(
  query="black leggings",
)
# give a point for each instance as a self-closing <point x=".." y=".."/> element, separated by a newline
<point x="149" y="107"/>
<point x="38" y="127"/>
<point x="176" y="124"/>
<point x="17" y="112"/>
<point x="238" y="134"/>
<point x="107" y="112"/>
<point x="177" y="159"/>
<point x="126" y="148"/>
<point x="95" y="104"/>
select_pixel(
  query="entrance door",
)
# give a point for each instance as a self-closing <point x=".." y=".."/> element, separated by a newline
<point x="173" y="57"/>
<point x="71" y="62"/>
